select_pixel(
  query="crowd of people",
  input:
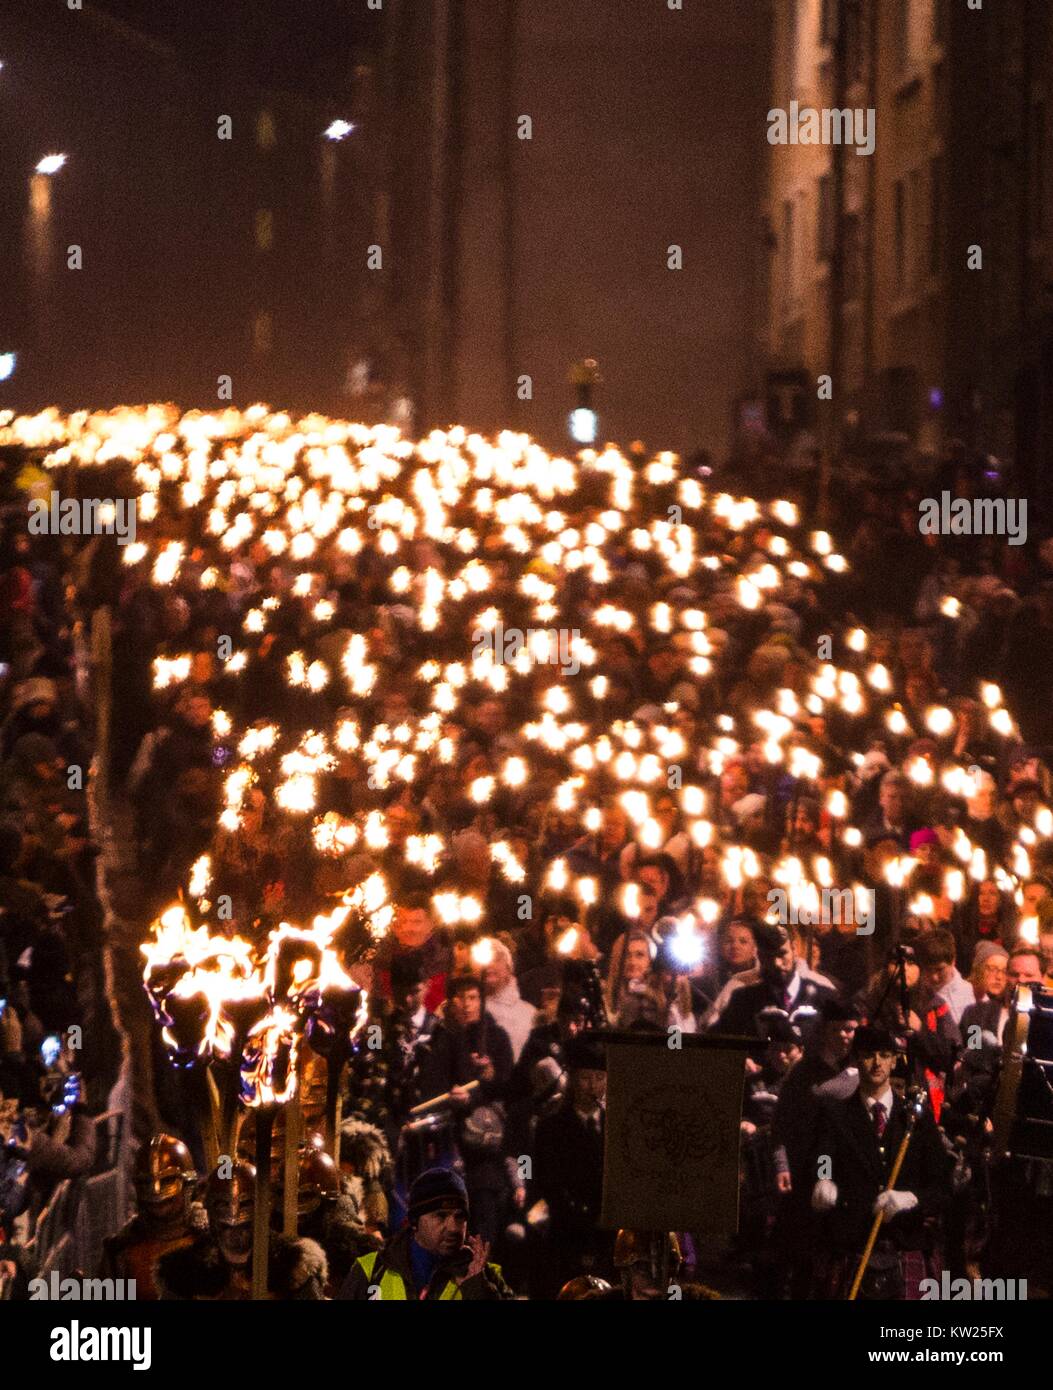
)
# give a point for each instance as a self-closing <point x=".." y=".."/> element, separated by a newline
<point x="725" y="780"/>
<point x="58" y="1056"/>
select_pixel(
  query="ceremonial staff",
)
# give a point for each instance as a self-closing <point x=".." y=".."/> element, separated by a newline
<point x="915" y="1106"/>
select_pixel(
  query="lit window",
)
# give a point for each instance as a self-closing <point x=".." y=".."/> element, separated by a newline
<point x="266" y="133"/>
<point x="263" y="332"/>
<point x="264" y="228"/>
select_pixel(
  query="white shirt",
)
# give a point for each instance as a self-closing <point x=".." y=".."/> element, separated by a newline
<point x="957" y="994"/>
<point x="792" y="987"/>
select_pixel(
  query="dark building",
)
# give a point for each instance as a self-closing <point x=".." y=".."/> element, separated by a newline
<point x="200" y="256"/>
<point x="494" y="258"/>
<point x="549" y="249"/>
<point x="919" y="276"/>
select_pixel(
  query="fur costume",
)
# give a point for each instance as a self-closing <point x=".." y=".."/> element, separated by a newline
<point x="365" y="1150"/>
<point x="297" y="1269"/>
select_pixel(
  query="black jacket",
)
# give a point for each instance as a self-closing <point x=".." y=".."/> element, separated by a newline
<point x="744" y="1005"/>
<point x="448" y="1064"/>
<point x="449" y="1060"/>
<point x="797" y="1117"/>
<point x="860" y="1167"/>
<point x="568" y="1170"/>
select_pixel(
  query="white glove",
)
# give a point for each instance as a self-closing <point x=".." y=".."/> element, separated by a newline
<point x="824" y="1195"/>
<point x="891" y="1204"/>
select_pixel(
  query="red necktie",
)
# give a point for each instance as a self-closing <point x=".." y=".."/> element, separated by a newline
<point x="879" y="1117"/>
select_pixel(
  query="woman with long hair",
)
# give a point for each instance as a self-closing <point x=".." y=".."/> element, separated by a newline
<point x="632" y="992"/>
<point x="988" y="915"/>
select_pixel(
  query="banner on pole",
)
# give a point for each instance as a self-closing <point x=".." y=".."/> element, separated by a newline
<point x="671" y="1160"/>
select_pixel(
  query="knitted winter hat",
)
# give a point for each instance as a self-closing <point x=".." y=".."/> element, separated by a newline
<point x="985" y="950"/>
<point x="435" y="1188"/>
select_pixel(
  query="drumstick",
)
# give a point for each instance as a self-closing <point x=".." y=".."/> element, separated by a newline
<point x="440" y="1100"/>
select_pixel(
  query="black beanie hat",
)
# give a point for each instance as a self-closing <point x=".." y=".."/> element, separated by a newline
<point x="435" y="1188"/>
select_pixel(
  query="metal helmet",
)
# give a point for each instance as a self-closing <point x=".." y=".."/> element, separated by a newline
<point x="229" y="1200"/>
<point x="314" y="1080"/>
<point x="318" y="1178"/>
<point x="576" y="1289"/>
<point x="162" y="1166"/>
<point x="230" y="1192"/>
<point x="647" y="1247"/>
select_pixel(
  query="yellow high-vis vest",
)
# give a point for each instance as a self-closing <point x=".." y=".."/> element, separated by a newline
<point x="393" y="1287"/>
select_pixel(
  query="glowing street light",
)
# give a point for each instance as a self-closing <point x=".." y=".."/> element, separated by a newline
<point x="583" y="422"/>
<point x="8" y="361"/>
<point x="51" y="164"/>
<point x="583" y="425"/>
<point x="338" y="130"/>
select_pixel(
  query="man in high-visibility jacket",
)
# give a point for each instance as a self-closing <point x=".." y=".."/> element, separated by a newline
<point x="432" y="1257"/>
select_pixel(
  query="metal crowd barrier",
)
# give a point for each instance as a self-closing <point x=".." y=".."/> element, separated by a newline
<point x="70" y="1230"/>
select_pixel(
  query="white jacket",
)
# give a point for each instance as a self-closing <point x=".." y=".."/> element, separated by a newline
<point x="512" y="1013"/>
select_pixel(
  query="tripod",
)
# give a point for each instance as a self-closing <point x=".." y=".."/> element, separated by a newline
<point x="897" y="980"/>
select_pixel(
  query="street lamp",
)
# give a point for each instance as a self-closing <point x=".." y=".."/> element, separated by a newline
<point x="51" y="164"/>
<point x="583" y="422"/>
<point x="338" y="130"/>
<point x="8" y="362"/>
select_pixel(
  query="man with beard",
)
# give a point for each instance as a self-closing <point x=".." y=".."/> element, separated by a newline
<point x="857" y="1145"/>
<point x="785" y="983"/>
<point x="163" y="1177"/>
<point x="329" y="1221"/>
<point x="433" y="1257"/>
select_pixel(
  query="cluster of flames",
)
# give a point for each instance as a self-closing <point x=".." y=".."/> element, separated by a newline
<point x="217" y="998"/>
<point x="437" y="518"/>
